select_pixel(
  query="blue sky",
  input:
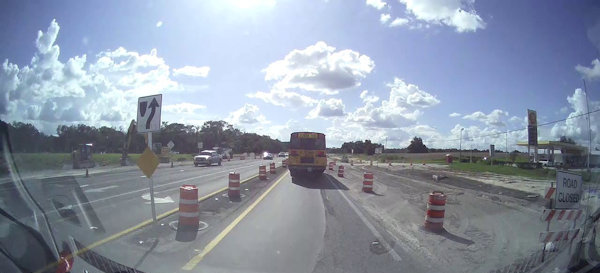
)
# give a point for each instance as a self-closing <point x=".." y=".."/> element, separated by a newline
<point x="353" y="69"/>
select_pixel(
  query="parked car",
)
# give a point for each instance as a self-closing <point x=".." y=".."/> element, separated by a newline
<point x="282" y="154"/>
<point x="207" y="157"/>
<point x="267" y="155"/>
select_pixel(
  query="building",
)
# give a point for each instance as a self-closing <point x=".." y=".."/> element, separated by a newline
<point x="571" y="155"/>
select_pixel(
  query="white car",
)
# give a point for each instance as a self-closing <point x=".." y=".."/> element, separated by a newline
<point x="207" y="157"/>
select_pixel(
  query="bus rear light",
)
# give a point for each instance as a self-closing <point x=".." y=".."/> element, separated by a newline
<point x="321" y="154"/>
<point x="294" y="153"/>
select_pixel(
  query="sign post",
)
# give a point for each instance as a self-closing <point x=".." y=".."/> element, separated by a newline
<point x="532" y="133"/>
<point x="200" y="145"/>
<point x="148" y="121"/>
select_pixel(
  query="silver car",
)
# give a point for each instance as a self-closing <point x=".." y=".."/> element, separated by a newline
<point x="207" y="157"/>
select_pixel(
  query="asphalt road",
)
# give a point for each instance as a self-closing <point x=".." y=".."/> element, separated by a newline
<point x="320" y="224"/>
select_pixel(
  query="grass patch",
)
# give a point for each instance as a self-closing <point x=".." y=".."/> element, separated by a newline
<point x="505" y="170"/>
<point x="41" y="161"/>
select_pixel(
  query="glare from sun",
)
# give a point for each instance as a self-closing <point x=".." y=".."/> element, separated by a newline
<point x="251" y="4"/>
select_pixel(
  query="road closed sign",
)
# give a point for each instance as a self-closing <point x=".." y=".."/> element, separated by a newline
<point x="569" y="189"/>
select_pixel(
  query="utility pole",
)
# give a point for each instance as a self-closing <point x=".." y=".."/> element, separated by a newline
<point x="507" y="144"/>
<point x="589" y="125"/>
<point x="460" y="146"/>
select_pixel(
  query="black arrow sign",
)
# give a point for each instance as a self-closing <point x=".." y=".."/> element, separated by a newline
<point x="153" y="106"/>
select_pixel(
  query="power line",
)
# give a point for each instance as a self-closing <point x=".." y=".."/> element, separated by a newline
<point x="525" y="128"/>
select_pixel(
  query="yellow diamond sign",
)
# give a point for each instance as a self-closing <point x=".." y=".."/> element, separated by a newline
<point x="148" y="162"/>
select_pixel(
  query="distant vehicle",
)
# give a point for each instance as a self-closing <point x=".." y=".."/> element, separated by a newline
<point x="307" y="153"/>
<point x="282" y="154"/>
<point x="207" y="157"/>
<point x="268" y="156"/>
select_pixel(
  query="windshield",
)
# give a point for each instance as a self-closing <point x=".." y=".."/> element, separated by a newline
<point x="299" y="136"/>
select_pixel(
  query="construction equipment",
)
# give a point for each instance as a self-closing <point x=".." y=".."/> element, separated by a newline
<point x="82" y="156"/>
<point x="124" y="155"/>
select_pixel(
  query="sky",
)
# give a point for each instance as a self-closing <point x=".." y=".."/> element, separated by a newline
<point x="384" y="70"/>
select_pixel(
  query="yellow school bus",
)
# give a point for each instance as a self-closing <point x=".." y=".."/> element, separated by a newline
<point x="307" y="153"/>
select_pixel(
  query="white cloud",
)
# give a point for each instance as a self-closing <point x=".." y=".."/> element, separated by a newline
<point x="183" y="108"/>
<point x="328" y="108"/>
<point x="459" y="14"/>
<point x="384" y="18"/>
<point x="378" y="4"/>
<point x="247" y="114"/>
<point x="401" y="109"/>
<point x="364" y="95"/>
<point x="577" y="127"/>
<point x="399" y="22"/>
<point x="590" y="73"/>
<point x="320" y="68"/>
<point x="284" y="98"/>
<point x="48" y="92"/>
<point x="494" y="118"/>
<point x="454" y="115"/>
<point x="192" y="71"/>
<point x="159" y="24"/>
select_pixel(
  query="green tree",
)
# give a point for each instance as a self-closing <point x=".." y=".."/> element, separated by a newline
<point x="417" y="146"/>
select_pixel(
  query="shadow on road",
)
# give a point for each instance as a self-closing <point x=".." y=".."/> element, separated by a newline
<point x="320" y="182"/>
<point x="456" y="238"/>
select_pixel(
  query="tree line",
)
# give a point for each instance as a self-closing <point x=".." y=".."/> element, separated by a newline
<point x="26" y="138"/>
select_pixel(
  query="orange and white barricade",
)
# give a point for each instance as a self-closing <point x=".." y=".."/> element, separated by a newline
<point x="331" y="166"/>
<point x="234" y="185"/>
<point x="436" y="208"/>
<point x="284" y="163"/>
<point x="367" y="182"/>
<point x="341" y="171"/>
<point x="272" y="168"/>
<point x="262" y="172"/>
<point x="188" y="207"/>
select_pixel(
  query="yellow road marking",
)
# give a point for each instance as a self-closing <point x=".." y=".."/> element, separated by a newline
<point x="210" y="246"/>
<point x="138" y="226"/>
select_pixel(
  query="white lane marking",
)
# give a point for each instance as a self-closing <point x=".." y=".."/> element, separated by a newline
<point x="143" y="176"/>
<point x="158" y="200"/>
<point x="84" y="185"/>
<point x="364" y="219"/>
<point x="100" y="189"/>
<point x="167" y="184"/>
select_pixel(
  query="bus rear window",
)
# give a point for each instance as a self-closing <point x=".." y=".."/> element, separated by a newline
<point x="307" y="143"/>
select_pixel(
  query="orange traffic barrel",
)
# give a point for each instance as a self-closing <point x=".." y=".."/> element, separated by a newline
<point x="367" y="182"/>
<point x="234" y="185"/>
<point x="436" y="208"/>
<point x="262" y="172"/>
<point x="331" y="166"/>
<point x="284" y="163"/>
<point x="188" y="207"/>
<point x="272" y="167"/>
<point x="341" y="171"/>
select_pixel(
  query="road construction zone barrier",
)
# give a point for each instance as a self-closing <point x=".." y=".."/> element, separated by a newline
<point x="549" y="215"/>
<point x="284" y="163"/>
<point x="234" y="185"/>
<point x="188" y="207"/>
<point x="367" y="182"/>
<point x="272" y="168"/>
<point x="436" y="207"/>
<point x="242" y="157"/>
<point x="331" y="166"/>
<point x="371" y="163"/>
<point x="341" y="171"/>
<point x="262" y="172"/>
<point x="557" y="236"/>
